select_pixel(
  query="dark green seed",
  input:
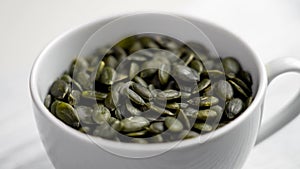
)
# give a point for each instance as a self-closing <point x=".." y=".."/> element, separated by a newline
<point x="234" y="107"/>
<point x="101" y="114"/>
<point x="135" y="97"/>
<point x="163" y="73"/>
<point x="108" y="75"/>
<point x="159" y="110"/>
<point x="238" y="88"/>
<point x="133" y="124"/>
<point x="203" y="127"/>
<point x="223" y="90"/>
<point x="133" y="110"/>
<point x="67" y="78"/>
<point x="197" y="65"/>
<point x="142" y="91"/>
<point x="110" y="61"/>
<point x="173" y="124"/>
<point x="231" y="65"/>
<point x="47" y="101"/>
<point x="85" y="114"/>
<point x="53" y="107"/>
<point x="206" y="114"/>
<point x="67" y="114"/>
<point x="59" y="89"/>
<point x="74" y="97"/>
<point x="157" y="127"/>
<point x="140" y="81"/>
<point x="91" y="94"/>
<point x="246" y="77"/>
<point x="201" y="86"/>
<point x="185" y="73"/>
<point x="134" y="69"/>
<point x="204" y="101"/>
<point x="169" y="94"/>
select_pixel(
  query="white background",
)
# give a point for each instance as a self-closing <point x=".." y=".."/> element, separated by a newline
<point x="270" y="27"/>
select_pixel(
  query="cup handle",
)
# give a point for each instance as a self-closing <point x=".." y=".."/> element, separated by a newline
<point x="291" y="110"/>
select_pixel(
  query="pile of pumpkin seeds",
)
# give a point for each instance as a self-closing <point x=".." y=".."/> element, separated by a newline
<point x="150" y="88"/>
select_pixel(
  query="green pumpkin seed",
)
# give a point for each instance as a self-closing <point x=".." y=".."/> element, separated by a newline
<point x="173" y="124"/>
<point x="231" y="65"/>
<point x="104" y="131"/>
<point x="99" y="70"/>
<point x="67" y="78"/>
<point x="234" y="107"/>
<point x="206" y="114"/>
<point x="53" y="107"/>
<point x="140" y="81"/>
<point x="133" y="124"/>
<point x="134" y="69"/>
<point x="186" y="134"/>
<point x="157" y="127"/>
<point x="204" y="101"/>
<point x="135" y="97"/>
<point x="157" y="138"/>
<point x="110" y="61"/>
<point x="47" y="101"/>
<point x="133" y="110"/>
<point x="243" y="85"/>
<point x="185" y="73"/>
<point x="74" y="97"/>
<point x="100" y="114"/>
<point x="109" y="101"/>
<point x="84" y="129"/>
<point x="201" y="86"/>
<point x="169" y="94"/>
<point x="246" y="77"/>
<point x="197" y="65"/>
<point x="163" y="73"/>
<point x="238" y="88"/>
<point x="224" y="90"/>
<point x="117" y="125"/>
<point x="203" y="127"/>
<point x="248" y="101"/>
<point x="137" y="134"/>
<point x="184" y="119"/>
<point x="85" y="114"/>
<point x="148" y="42"/>
<point x="107" y="76"/>
<point x="142" y="91"/>
<point x="159" y="110"/>
<point x="59" y="89"/>
<point x="67" y="114"/>
<point x="91" y="94"/>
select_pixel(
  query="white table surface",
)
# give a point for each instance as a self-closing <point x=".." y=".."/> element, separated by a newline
<point x="271" y="27"/>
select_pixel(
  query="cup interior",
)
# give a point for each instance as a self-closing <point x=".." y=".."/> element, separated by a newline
<point x="58" y="55"/>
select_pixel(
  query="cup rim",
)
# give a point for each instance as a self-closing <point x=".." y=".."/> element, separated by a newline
<point x="33" y="81"/>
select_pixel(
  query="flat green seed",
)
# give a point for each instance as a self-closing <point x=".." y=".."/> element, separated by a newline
<point x="201" y="86"/>
<point x="133" y="124"/>
<point x="234" y="107"/>
<point x="173" y="124"/>
<point x="108" y="75"/>
<point x="139" y="141"/>
<point x="231" y="65"/>
<point x="189" y="59"/>
<point x="134" y="69"/>
<point x="109" y="102"/>
<point x="47" y="101"/>
<point x="59" y="89"/>
<point x="159" y="110"/>
<point x="74" y="97"/>
<point x="197" y="65"/>
<point x="243" y="85"/>
<point x="173" y="105"/>
<point x="140" y="81"/>
<point x="213" y="74"/>
<point x="133" y="110"/>
<point x="67" y="114"/>
<point x="101" y="114"/>
<point x="168" y="94"/>
<point x="135" y="97"/>
<point x="99" y="70"/>
<point x="90" y="94"/>
<point x="206" y="114"/>
<point x="204" y="101"/>
<point x="163" y="73"/>
<point x="137" y="134"/>
<point x="105" y="131"/>
<point x="85" y="114"/>
<point x="110" y="61"/>
<point x="246" y="77"/>
<point x="203" y="127"/>
<point x="117" y="125"/>
<point x="157" y="127"/>
<point x="224" y="90"/>
<point x="53" y="107"/>
<point x="83" y="79"/>
<point x="142" y="91"/>
<point x="157" y="138"/>
<point x="185" y="73"/>
<point x="184" y="119"/>
<point x="248" y="101"/>
<point x="148" y="42"/>
<point x="191" y="112"/>
<point x="238" y="89"/>
<point x="186" y="134"/>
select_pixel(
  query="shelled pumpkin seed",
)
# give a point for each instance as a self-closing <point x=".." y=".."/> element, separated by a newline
<point x="150" y="88"/>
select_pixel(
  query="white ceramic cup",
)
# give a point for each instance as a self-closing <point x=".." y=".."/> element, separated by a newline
<point x="226" y="148"/>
